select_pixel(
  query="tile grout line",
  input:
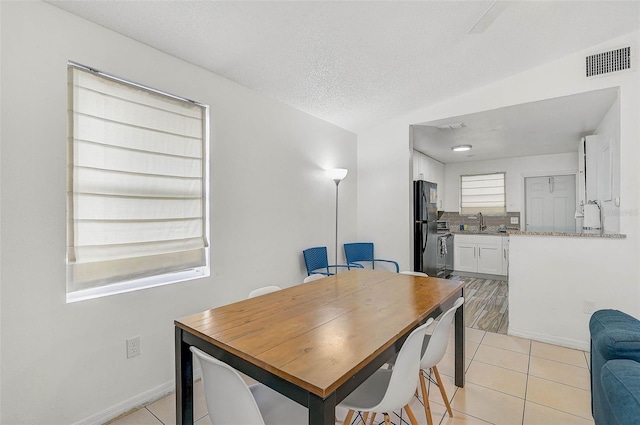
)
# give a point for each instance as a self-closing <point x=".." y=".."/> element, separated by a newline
<point x="465" y="372"/>
<point x="559" y="410"/>
<point x="159" y="420"/>
<point x="561" y="362"/>
<point x="526" y="386"/>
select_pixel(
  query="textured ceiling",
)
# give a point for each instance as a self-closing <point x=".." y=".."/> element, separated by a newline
<point x="546" y="127"/>
<point x="359" y="63"/>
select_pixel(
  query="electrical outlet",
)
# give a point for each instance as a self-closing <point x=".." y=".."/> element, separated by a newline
<point x="133" y="347"/>
<point x="589" y="307"/>
<point x="514" y="220"/>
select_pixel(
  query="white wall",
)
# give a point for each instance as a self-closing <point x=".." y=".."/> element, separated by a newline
<point x="516" y="170"/>
<point x="550" y="278"/>
<point x="384" y="192"/>
<point x="65" y="363"/>
<point x="0" y="209"/>
<point x="554" y="279"/>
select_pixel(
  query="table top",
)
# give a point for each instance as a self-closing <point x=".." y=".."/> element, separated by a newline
<point x="318" y="334"/>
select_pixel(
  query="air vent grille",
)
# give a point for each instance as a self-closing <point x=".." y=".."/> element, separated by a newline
<point x="614" y="60"/>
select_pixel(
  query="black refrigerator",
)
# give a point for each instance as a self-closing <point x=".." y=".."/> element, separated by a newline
<point x="425" y="213"/>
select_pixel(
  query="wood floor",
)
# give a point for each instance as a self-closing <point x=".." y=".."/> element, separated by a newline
<point x="486" y="304"/>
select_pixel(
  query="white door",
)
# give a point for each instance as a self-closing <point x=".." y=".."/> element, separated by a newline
<point x="550" y="203"/>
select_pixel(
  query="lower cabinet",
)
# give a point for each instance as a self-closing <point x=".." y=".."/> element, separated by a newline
<point x="479" y="254"/>
<point x="505" y="256"/>
<point x="465" y="256"/>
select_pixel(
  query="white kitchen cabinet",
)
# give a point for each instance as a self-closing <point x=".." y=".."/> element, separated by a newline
<point x="490" y="256"/>
<point x="479" y="254"/>
<point x="465" y="256"/>
<point x="425" y="168"/>
<point x="505" y="256"/>
<point x="594" y="169"/>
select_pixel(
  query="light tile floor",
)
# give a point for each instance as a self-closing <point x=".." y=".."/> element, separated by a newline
<point x="509" y="380"/>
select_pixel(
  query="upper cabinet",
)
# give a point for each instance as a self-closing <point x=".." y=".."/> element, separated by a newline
<point x="425" y="168"/>
<point x="595" y="169"/>
<point x="599" y="173"/>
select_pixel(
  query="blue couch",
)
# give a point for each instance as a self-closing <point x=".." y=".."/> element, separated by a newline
<point x="615" y="368"/>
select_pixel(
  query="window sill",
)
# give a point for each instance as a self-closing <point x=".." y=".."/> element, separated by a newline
<point x="137" y="284"/>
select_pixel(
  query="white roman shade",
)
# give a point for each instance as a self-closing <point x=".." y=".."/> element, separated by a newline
<point x="483" y="193"/>
<point x="137" y="182"/>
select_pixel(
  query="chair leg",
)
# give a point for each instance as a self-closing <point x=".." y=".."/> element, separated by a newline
<point x="425" y="399"/>
<point x="347" y="419"/>
<point x="412" y="417"/>
<point x="373" y="416"/>
<point x="442" y="391"/>
<point x="386" y="419"/>
<point x="365" y="415"/>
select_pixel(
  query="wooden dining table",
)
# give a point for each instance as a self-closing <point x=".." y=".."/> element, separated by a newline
<point x="316" y="342"/>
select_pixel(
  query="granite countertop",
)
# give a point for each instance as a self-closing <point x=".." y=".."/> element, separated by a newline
<point x="569" y="234"/>
<point x="509" y="232"/>
<point x="477" y="232"/>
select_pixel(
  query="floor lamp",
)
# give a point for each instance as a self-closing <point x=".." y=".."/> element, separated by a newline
<point x="337" y="174"/>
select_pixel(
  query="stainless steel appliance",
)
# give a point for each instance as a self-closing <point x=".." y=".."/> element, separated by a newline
<point x="443" y="226"/>
<point x="445" y="256"/>
<point x="425" y="244"/>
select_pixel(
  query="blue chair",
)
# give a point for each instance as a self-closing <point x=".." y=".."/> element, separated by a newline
<point x="316" y="261"/>
<point x="359" y="252"/>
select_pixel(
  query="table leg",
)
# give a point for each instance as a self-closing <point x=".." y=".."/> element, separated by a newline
<point x="459" y="346"/>
<point x="322" y="412"/>
<point x="184" y="380"/>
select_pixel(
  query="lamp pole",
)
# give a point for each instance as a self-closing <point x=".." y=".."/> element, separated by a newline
<point x="337" y="174"/>
<point x="336" y="251"/>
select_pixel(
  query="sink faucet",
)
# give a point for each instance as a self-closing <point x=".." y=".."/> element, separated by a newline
<point x="482" y="225"/>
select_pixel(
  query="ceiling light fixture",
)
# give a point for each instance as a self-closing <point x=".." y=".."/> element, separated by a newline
<point x="461" y="148"/>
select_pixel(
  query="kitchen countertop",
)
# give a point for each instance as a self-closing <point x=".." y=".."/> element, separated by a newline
<point x="569" y="234"/>
<point x="476" y="232"/>
<point x="526" y="233"/>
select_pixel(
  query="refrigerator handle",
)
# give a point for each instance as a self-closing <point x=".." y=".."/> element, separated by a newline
<point x="424" y="241"/>
<point x="474" y="252"/>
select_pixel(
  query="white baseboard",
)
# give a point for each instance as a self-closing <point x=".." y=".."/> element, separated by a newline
<point x="480" y="275"/>
<point x="549" y="339"/>
<point x="135" y="402"/>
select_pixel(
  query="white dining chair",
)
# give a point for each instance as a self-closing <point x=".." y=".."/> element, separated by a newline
<point x="312" y="277"/>
<point x="412" y="273"/>
<point x="231" y="402"/>
<point x="263" y="290"/>
<point x="436" y="346"/>
<point x="390" y="390"/>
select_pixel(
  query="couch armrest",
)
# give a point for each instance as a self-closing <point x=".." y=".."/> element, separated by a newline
<point x="621" y="381"/>
<point x="615" y="335"/>
<point x="619" y="344"/>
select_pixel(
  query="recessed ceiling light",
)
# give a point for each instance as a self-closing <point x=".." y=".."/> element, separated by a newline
<point x="461" y="148"/>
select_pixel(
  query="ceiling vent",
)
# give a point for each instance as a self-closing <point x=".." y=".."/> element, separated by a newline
<point x="606" y="62"/>
<point x="451" y="126"/>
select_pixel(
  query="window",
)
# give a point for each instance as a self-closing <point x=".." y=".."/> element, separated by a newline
<point x="137" y="191"/>
<point x="483" y="193"/>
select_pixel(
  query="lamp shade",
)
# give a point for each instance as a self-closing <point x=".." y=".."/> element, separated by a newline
<point x="337" y="174"/>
